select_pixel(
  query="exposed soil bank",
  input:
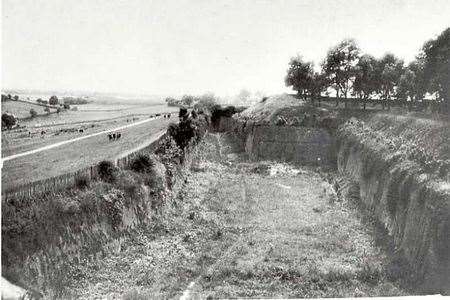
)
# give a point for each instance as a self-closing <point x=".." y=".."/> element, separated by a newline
<point x="296" y="144"/>
<point x="401" y="167"/>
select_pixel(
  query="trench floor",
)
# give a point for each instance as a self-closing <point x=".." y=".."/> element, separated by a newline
<point x="241" y="229"/>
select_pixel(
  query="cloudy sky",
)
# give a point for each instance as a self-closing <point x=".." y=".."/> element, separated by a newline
<point x="176" y="47"/>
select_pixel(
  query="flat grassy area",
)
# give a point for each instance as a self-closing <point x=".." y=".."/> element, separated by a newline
<point x="241" y="229"/>
<point x="73" y="156"/>
<point x="94" y="119"/>
<point x="21" y="109"/>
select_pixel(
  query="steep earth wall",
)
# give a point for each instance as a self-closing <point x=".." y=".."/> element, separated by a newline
<point x="401" y="166"/>
<point x="298" y="144"/>
<point x="403" y="182"/>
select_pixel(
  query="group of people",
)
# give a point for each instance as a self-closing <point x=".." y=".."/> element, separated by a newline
<point x="114" y="136"/>
<point x="166" y="116"/>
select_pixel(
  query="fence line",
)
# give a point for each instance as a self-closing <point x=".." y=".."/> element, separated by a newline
<point x="67" y="180"/>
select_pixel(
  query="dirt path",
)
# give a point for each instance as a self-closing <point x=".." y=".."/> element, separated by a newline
<point x="246" y="230"/>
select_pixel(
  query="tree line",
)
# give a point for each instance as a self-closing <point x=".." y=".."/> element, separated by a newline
<point x="350" y="73"/>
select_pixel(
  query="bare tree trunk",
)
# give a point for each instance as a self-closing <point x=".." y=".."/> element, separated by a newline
<point x="337" y="97"/>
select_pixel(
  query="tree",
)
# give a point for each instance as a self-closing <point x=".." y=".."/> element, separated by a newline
<point x="53" y="100"/>
<point x="16" y="97"/>
<point x="172" y="101"/>
<point x="436" y="54"/>
<point x="411" y="86"/>
<point x="390" y="69"/>
<point x="300" y="76"/>
<point x="339" y="66"/>
<point x="206" y="102"/>
<point x="33" y="113"/>
<point x="8" y="120"/>
<point x="319" y="85"/>
<point x="187" y="100"/>
<point x="366" y="83"/>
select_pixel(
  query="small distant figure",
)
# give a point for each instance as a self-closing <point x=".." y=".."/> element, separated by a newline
<point x="80" y="130"/>
<point x="114" y="136"/>
<point x="119" y="135"/>
<point x="29" y="133"/>
<point x="110" y="136"/>
<point x="43" y="132"/>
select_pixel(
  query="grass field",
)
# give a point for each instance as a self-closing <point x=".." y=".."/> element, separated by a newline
<point x="92" y="118"/>
<point x="22" y="110"/>
<point x="77" y="155"/>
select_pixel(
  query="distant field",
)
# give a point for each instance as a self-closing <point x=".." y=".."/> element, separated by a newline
<point x="96" y="113"/>
<point x="90" y="117"/>
<point x="21" y="109"/>
<point x="77" y="155"/>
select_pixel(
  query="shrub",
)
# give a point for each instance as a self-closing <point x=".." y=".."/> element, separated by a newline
<point x="218" y="112"/>
<point x="33" y="113"/>
<point x="142" y="164"/>
<point x="107" y="171"/>
<point x="182" y="133"/>
<point x="53" y="100"/>
<point x="182" y="113"/>
<point x="66" y="106"/>
<point x="8" y="120"/>
<point x="82" y="182"/>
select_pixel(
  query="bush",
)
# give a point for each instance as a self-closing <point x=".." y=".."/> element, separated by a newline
<point x="107" y="171"/>
<point x="182" y="133"/>
<point x="8" y="120"/>
<point x="182" y="113"/>
<point x="218" y="112"/>
<point x="33" y="113"/>
<point x="53" y="100"/>
<point x="82" y="182"/>
<point x="66" y="106"/>
<point x="142" y="164"/>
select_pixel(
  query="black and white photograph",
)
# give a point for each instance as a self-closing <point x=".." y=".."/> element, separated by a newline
<point x="225" y="149"/>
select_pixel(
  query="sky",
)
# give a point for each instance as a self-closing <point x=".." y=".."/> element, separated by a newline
<point x="176" y="47"/>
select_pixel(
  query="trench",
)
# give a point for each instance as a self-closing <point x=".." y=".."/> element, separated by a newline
<point x="258" y="212"/>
